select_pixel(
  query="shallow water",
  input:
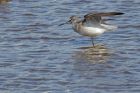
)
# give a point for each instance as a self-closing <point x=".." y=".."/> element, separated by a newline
<point x="38" y="56"/>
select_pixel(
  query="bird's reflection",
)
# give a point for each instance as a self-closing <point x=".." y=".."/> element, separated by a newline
<point x="96" y="54"/>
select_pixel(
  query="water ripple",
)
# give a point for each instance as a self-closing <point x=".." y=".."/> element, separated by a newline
<point x="39" y="56"/>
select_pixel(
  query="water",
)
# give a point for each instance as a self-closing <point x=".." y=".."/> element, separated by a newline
<point x="38" y="56"/>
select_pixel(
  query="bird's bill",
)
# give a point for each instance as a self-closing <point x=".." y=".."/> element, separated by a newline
<point x="68" y="22"/>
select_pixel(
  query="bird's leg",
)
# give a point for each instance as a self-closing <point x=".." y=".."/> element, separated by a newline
<point x="92" y="39"/>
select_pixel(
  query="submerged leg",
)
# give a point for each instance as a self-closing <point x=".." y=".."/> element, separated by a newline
<point x="92" y="39"/>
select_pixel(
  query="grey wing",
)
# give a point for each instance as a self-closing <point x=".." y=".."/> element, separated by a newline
<point x="104" y="14"/>
<point x="96" y="18"/>
<point x="91" y="20"/>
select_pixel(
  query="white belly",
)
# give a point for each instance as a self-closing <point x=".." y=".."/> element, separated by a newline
<point x="90" y="31"/>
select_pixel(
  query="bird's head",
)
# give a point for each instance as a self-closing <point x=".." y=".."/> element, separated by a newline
<point x="74" y="19"/>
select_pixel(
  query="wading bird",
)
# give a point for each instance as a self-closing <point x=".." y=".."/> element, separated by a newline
<point x="92" y="24"/>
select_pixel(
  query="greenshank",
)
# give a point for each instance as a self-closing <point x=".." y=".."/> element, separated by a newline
<point x="92" y="24"/>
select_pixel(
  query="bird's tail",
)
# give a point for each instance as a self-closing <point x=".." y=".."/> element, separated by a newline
<point x="109" y="27"/>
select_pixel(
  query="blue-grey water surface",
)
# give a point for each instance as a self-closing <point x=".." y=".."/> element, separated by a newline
<point x="39" y="56"/>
